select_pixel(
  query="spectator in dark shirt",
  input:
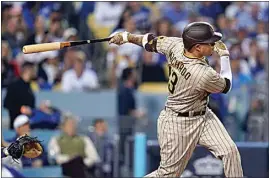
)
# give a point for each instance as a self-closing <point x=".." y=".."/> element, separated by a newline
<point x="210" y="9"/>
<point x="104" y="147"/>
<point x="127" y="110"/>
<point x="19" y="92"/>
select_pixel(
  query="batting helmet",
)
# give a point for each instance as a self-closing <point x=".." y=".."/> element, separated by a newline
<point x="199" y="32"/>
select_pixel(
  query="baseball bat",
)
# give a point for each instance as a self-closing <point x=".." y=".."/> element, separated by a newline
<point x="27" y="49"/>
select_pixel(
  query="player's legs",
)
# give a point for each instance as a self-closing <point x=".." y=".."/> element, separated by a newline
<point x="178" y="137"/>
<point x="218" y="141"/>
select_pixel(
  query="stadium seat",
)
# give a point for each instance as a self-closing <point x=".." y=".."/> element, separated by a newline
<point x="8" y="134"/>
<point x="49" y="171"/>
<point x="44" y="135"/>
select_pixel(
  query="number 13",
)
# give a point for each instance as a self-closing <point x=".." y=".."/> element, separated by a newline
<point x="173" y="78"/>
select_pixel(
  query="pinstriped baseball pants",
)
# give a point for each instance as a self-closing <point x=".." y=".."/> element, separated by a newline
<point x="178" y="137"/>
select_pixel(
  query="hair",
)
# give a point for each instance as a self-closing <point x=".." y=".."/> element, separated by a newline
<point x="126" y="73"/>
<point x="67" y="116"/>
<point x="27" y="65"/>
<point x="163" y="20"/>
<point x="98" y="120"/>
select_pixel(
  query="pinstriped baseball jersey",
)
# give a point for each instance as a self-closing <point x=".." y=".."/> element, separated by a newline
<point x="190" y="79"/>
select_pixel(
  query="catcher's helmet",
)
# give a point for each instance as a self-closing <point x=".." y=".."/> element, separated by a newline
<point x="199" y="32"/>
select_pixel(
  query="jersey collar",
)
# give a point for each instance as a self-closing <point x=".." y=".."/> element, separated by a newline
<point x="203" y="59"/>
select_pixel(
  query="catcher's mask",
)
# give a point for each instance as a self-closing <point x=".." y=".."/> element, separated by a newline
<point x="199" y="32"/>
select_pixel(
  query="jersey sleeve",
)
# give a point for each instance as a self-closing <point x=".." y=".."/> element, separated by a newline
<point x="165" y="44"/>
<point x="212" y="82"/>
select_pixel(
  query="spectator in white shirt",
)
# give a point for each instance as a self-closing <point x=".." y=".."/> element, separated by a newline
<point x="108" y="13"/>
<point x="80" y="78"/>
<point x="69" y="146"/>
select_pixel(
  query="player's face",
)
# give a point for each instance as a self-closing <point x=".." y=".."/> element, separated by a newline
<point x="207" y="49"/>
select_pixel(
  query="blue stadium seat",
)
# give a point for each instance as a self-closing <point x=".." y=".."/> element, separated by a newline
<point x="44" y="135"/>
<point x="8" y="134"/>
<point x="49" y="171"/>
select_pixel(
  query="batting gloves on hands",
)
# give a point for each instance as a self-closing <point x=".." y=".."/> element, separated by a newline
<point x="221" y="49"/>
<point x="119" y="38"/>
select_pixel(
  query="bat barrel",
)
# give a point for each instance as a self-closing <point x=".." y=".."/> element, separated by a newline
<point x="57" y="45"/>
<point x="41" y="47"/>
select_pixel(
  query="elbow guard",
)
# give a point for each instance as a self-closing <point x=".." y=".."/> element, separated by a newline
<point x="149" y="42"/>
<point x="228" y="86"/>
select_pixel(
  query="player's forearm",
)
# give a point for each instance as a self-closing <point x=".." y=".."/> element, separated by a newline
<point x="225" y="67"/>
<point x="135" y="39"/>
<point x="226" y="72"/>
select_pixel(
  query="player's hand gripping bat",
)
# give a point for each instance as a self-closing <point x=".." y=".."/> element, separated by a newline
<point x="27" y="49"/>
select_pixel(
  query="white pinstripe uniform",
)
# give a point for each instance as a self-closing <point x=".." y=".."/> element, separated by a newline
<point x="190" y="83"/>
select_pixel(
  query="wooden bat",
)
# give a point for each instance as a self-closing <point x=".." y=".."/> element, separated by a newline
<point x="27" y="49"/>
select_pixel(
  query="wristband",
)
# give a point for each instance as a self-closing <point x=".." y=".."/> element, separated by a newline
<point x="125" y="36"/>
<point x="145" y="40"/>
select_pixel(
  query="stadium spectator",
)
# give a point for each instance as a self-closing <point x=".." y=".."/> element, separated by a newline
<point x="22" y="126"/>
<point x="245" y="23"/>
<point x="44" y="117"/>
<point x="70" y="34"/>
<point x="163" y="27"/>
<point x="175" y="12"/>
<point x="152" y="68"/>
<point x="179" y="26"/>
<point x="111" y="17"/>
<point x="127" y="55"/>
<point x="10" y="36"/>
<point x="19" y="93"/>
<point x="69" y="148"/>
<point x="80" y="78"/>
<point x="38" y="35"/>
<point x="127" y="108"/>
<point x="48" y="70"/>
<point x="68" y="60"/>
<point x="141" y="15"/>
<point x="210" y="9"/>
<point x="104" y="147"/>
<point x="224" y="26"/>
<point x="10" y="69"/>
<point x="55" y="31"/>
<point x="241" y="91"/>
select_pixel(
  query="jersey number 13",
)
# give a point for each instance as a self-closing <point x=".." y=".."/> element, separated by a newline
<point x="173" y="79"/>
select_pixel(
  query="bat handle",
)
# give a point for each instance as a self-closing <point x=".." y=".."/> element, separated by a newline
<point x="99" y="40"/>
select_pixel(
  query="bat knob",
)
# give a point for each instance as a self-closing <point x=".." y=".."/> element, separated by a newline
<point x="24" y="50"/>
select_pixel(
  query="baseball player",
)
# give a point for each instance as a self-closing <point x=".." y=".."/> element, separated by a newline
<point x="186" y="119"/>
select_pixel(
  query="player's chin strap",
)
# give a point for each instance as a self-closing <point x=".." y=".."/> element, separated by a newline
<point x="225" y="68"/>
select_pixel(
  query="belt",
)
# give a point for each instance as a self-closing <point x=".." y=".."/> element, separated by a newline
<point x="188" y="114"/>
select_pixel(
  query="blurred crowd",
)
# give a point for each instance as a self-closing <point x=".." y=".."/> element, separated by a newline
<point x="244" y="26"/>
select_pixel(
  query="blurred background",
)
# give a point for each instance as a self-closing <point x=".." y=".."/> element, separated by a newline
<point x="95" y="106"/>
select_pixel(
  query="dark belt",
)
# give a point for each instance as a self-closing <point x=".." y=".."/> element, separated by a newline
<point x="188" y="114"/>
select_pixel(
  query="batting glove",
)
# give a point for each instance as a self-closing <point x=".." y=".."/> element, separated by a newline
<point x="221" y="49"/>
<point x="119" y="38"/>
